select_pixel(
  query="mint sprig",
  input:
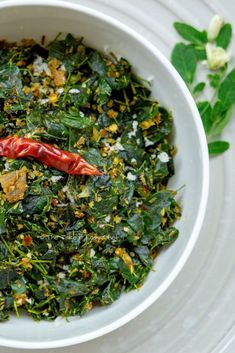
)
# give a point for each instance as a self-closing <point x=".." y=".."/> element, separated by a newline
<point x="198" y="50"/>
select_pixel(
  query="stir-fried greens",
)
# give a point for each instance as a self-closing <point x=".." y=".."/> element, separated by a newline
<point x="67" y="242"/>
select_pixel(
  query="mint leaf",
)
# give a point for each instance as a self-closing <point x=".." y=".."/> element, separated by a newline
<point x="190" y="33"/>
<point x="224" y="36"/>
<point x="220" y="118"/>
<point x="199" y="88"/>
<point x="222" y="122"/>
<point x="205" y="111"/>
<point x="200" y="53"/>
<point x="226" y="91"/>
<point x="76" y="122"/>
<point x="217" y="111"/>
<point x="103" y="91"/>
<point x="184" y="60"/>
<point x="218" y="147"/>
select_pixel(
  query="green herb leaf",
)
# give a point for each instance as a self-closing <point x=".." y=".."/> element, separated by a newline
<point x="97" y="63"/>
<point x="76" y="122"/>
<point x="218" y="147"/>
<point x="3" y="252"/>
<point x="222" y="122"/>
<point x="2" y="222"/>
<point x="205" y="111"/>
<point x="214" y="80"/>
<point x="219" y="118"/>
<point x="36" y="204"/>
<point x="190" y="33"/>
<point x="226" y="91"/>
<point x="163" y="238"/>
<point x="103" y="91"/>
<point x="200" y="53"/>
<point x="93" y="156"/>
<point x="19" y="286"/>
<point x="9" y="79"/>
<point x="143" y="253"/>
<point x="6" y="276"/>
<point x="17" y="208"/>
<point x="184" y="60"/>
<point x="199" y="88"/>
<point x="111" y="292"/>
<point x="224" y="36"/>
<point x="68" y="288"/>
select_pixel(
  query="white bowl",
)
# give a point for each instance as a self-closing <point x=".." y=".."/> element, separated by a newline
<point x="21" y="19"/>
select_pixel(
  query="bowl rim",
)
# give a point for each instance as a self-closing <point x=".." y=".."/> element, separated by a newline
<point x="205" y="178"/>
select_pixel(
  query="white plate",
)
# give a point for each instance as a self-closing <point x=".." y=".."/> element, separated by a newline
<point x="196" y="314"/>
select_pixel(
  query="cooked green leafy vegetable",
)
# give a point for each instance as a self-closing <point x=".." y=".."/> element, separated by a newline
<point x="68" y="242"/>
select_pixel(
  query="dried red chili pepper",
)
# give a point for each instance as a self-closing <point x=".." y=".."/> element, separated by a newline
<point x="68" y="162"/>
<point x="27" y="240"/>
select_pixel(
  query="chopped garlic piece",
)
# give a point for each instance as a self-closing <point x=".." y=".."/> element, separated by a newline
<point x="74" y="91"/>
<point x="133" y="160"/>
<point x="134" y="129"/>
<point x="60" y="90"/>
<point x="163" y="157"/>
<point x="131" y="176"/>
<point x="92" y="253"/>
<point x="56" y="178"/>
<point x="39" y="66"/>
<point x="148" y="142"/>
<point x="107" y="219"/>
<point x="61" y="275"/>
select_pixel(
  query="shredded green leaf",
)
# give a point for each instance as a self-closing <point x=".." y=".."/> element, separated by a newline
<point x="72" y="242"/>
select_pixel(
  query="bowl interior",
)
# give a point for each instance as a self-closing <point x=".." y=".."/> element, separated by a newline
<point x="17" y="22"/>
